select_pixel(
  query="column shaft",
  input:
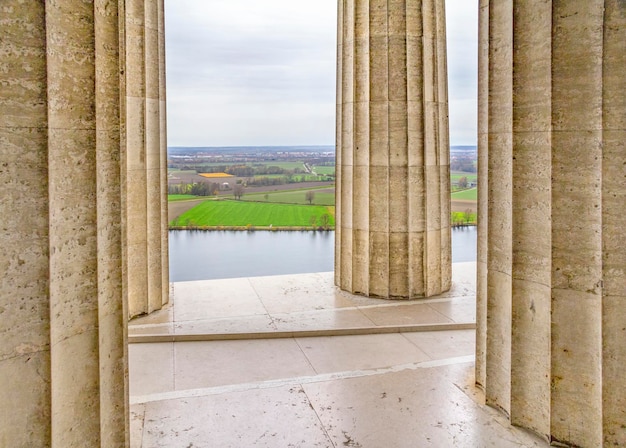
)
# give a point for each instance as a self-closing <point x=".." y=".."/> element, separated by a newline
<point x="64" y="216"/>
<point x="614" y="236"/>
<point x="146" y="158"/>
<point x="24" y="303"/>
<point x="577" y="52"/>
<point x="73" y="222"/>
<point x="112" y="308"/>
<point x="500" y="122"/>
<point x="136" y="222"/>
<point x="556" y="264"/>
<point x="164" y="253"/>
<point x="152" y="144"/>
<point x="339" y="266"/>
<point x="393" y="233"/>
<point x="531" y="210"/>
<point x="483" y="188"/>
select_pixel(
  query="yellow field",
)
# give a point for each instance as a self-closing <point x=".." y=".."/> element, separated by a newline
<point x="216" y="175"/>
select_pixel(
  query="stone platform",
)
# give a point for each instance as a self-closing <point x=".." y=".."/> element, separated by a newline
<point x="290" y="361"/>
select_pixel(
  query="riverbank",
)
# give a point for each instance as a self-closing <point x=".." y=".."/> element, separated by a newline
<point x="279" y="229"/>
<point x="251" y="228"/>
<point x="202" y="255"/>
<point x="238" y="215"/>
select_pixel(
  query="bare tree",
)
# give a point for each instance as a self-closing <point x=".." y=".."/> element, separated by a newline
<point x="309" y="196"/>
<point x="238" y="191"/>
<point x="325" y="221"/>
<point x="462" y="182"/>
<point x="467" y="215"/>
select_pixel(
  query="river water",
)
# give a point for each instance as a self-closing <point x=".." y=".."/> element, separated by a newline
<point x="207" y="255"/>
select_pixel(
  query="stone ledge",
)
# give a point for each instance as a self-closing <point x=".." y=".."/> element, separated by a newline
<point x="157" y="338"/>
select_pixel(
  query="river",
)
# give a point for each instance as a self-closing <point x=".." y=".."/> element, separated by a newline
<point x="202" y="255"/>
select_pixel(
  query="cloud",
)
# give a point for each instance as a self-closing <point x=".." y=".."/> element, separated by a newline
<point x="251" y="72"/>
<point x="462" y="40"/>
<point x="246" y="72"/>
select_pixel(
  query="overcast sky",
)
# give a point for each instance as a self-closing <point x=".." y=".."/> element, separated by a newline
<point x="262" y="72"/>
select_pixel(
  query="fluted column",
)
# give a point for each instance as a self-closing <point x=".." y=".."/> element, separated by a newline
<point x="483" y="197"/>
<point x="499" y="192"/>
<point x="24" y="258"/>
<point x="393" y="196"/>
<point x="614" y="235"/>
<point x="145" y="158"/>
<point x="67" y="216"/>
<point x="164" y="228"/>
<point x="86" y="307"/>
<point x="63" y="348"/>
<point x="554" y="318"/>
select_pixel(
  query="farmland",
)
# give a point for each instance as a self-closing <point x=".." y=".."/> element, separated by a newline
<point x="456" y="175"/>
<point x="466" y="195"/>
<point x="246" y="214"/>
<point x="180" y="197"/>
<point x="216" y="175"/>
<point x="324" y="170"/>
<point x="285" y="165"/>
<point x="322" y="196"/>
<point x="265" y="180"/>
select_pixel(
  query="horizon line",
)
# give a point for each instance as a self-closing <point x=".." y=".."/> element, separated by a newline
<point x="285" y="146"/>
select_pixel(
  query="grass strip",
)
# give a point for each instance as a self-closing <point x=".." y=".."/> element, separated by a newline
<point x="183" y="197"/>
<point x="247" y="214"/>
<point x="466" y="195"/>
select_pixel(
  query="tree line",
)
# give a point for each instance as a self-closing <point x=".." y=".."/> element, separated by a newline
<point x="242" y="170"/>
<point x="463" y="163"/>
<point x="196" y="189"/>
<point x="282" y="180"/>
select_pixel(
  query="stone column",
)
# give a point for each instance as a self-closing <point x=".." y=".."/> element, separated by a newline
<point x="164" y="253"/>
<point x="613" y="233"/>
<point x="555" y="323"/>
<point x="499" y="191"/>
<point x="393" y="195"/>
<point x="483" y="197"/>
<point x="63" y="360"/>
<point x="145" y="158"/>
<point x="64" y="218"/>
<point x="24" y="236"/>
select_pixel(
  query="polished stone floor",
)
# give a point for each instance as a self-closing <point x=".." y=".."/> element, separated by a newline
<point x="404" y="387"/>
<point x="301" y="302"/>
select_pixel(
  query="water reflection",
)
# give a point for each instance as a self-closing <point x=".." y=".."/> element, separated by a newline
<point x="463" y="244"/>
<point x="199" y="255"/>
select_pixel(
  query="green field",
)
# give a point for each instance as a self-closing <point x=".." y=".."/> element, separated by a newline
<point x="463" y="218"/>
<point x="324" y="170"/>
<point x="305" y="178"/>
<point x="181" y="197"/>
<point x="456" y="175"/>
<point x="285" y="165"/>
<point x="292" y="197"/>
<point x="466" y="195"/>
<point x="240" y="213"/>
<point x="269" y="176"/>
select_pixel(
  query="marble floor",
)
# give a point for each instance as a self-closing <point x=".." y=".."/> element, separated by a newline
<point x="344" y="371"/>
<point x="287" y="304"/>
